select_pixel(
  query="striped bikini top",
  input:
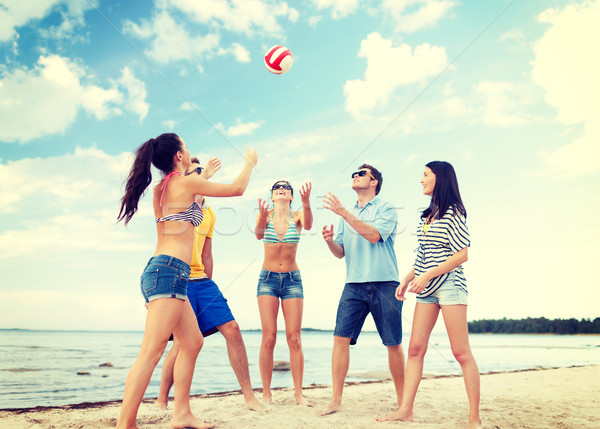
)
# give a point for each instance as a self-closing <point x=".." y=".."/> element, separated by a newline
<point x="192" y="214"/>
<point x="291" y="235"/>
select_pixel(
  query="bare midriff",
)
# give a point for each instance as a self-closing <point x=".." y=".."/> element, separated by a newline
<point x="280" y="257"/>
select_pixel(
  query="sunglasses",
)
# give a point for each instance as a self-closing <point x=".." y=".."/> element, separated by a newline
<point x="197" y="170"/>
<point x="281" y="185"/>
<point x="361" y="173"/>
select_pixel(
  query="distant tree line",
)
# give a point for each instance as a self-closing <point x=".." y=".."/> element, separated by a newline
<point x="539" y="325"/>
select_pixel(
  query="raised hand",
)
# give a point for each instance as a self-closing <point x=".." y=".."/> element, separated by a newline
<point x="263" y="208"/>
<point x="305" y="193"/>
<point x="331" y="202"/>
<point x="251" y="156"/>
<point x="327" y="233"/>
<point x="212" y="166"/>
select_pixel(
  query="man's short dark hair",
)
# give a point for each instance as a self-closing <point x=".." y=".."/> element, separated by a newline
<point x="376" y="174"/>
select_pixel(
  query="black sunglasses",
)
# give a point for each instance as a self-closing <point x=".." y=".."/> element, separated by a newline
<point x="197" y="170"/>
<point x="281" y="185"/>
<point x="361" y="173"/>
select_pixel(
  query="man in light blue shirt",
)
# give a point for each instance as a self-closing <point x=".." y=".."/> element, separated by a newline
<point x="366" y="235"/>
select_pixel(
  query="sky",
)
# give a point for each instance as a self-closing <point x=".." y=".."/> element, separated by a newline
<point x="506" y="91"/>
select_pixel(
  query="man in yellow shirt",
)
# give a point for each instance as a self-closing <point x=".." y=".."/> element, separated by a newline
<point x="211" y="309"/>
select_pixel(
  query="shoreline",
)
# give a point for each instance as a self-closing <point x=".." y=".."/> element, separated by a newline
<point x="540" y="398"/>
<point x="257" y="391"/>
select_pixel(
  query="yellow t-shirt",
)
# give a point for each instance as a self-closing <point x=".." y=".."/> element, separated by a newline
<point x="201" y="232"/>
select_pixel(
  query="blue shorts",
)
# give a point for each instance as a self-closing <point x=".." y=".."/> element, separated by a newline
<point x="378" y="298"/>
<point x="165" y="277"/>
<point x="209" y="304"/>
<point x="280" y="285"/>
<point x="447" y="294"/>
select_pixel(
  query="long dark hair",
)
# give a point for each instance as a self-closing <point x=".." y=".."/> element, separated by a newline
<point x="159" y="152"/>
<point x="445" y="192"/>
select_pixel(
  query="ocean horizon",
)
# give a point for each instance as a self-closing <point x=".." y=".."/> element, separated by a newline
<point x="40" y="367"/>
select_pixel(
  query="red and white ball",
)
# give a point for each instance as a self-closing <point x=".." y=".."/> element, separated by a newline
<point x="278" y="59"/>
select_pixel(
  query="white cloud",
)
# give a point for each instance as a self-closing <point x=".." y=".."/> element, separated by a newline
<point x="249" y="16"/>
<point x="501" y="104"/>
<point x="170" y="41"/>
<point x="169" y="124"/>
<point x="339" y="8"/>
<point x="567" y="68"/>
<point x="314" y="20"/>
<point x="136" y="93"/>
<point x="173" y="32"/>
<point x="512" y="35"/>
<point x="240" y="128"/>
<point x="413" y="15"/>
<point x="388" y="68"/>
<point x="240" y="53"/>
<point x="29" y="99"/>
<point x="71" y="193"/>
<point x="14" y="14"/>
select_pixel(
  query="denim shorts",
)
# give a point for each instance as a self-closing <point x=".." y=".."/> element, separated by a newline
<point x="209" y="305"/>
<point x="377" y="298"/>
<point x="281" y="285"/>
<point x="165" y="277"/>
<point x="447" y="294"/>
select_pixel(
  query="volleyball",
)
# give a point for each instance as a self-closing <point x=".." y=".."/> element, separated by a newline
<point x="278" y="59"/>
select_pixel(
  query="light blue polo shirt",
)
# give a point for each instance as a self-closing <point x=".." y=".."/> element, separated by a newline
<point x="367" y="262"/>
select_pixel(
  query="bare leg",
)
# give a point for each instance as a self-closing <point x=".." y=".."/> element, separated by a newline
<point x="396" y="364"/>
<point x="238" y="359"/>
<point x="340" y="361"/>
<point x="455" y="318"/>
<point x="163" y="315"/>
<point x="268" y="307"/>
<point x="423" y="322"/>
<point x="166" y="379"/>
<point x="292" y="313"/>
<point x="188" y="334"/>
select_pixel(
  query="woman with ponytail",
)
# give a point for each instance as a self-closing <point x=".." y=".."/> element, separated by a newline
<point x="164" y="280"/>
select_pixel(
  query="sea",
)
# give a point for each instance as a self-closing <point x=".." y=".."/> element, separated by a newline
<point x="40" y="368"/>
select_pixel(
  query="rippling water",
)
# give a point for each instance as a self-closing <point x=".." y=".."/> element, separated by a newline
<point x="40" y="367"/>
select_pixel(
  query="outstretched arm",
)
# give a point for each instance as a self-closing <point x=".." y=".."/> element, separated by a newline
<point x="199" y="185"/>
<point x="307" y="216"/>
<point x="369" y="232"/>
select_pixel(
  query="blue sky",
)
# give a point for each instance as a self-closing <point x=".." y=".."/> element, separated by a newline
<point x="504" y="90"/>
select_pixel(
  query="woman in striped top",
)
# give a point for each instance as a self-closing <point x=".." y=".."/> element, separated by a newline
<point x="438" y="280"/>
<point x="164" y="280"/>
<point x="280" y="228"/>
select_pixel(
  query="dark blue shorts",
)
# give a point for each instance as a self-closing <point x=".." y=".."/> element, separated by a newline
<point x="209" y="304"/>
<point x="378" y="298"/>
<point x="165" y="277"/>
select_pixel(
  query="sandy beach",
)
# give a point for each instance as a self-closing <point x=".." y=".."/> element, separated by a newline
<point x="548" y="398"/>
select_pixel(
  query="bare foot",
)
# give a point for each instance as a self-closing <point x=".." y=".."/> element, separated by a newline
<point x="301" y="400"/>
<point x="403" y="416"/>
<point x="161" y="404"/>
<point x="189" y="421"/>
<point x="267" y="399"/>
<point x="252" y="404"/>
<point x="332" y="407"/>
<point x="476" y="424"/>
